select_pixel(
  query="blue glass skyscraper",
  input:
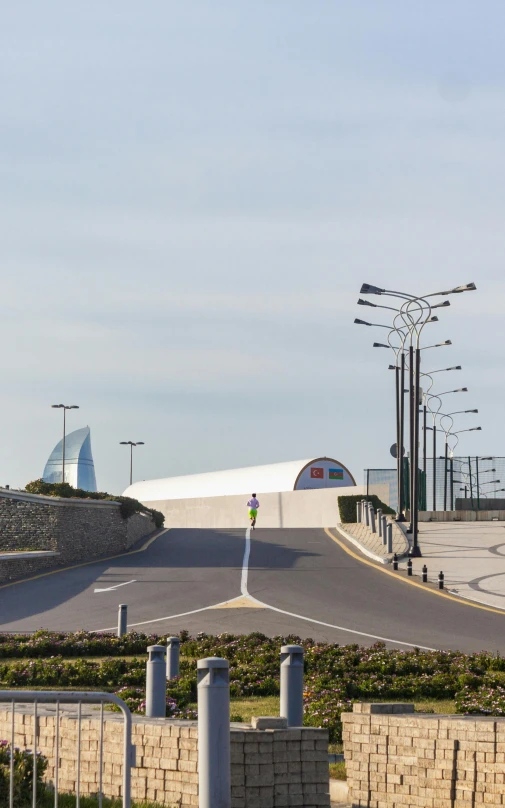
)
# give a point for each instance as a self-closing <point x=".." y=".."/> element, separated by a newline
<point x="79" y="466"/>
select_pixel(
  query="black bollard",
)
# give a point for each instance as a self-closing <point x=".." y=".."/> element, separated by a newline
<point x="425" y="574"/>
<point x="409" y="567"/>
<point x="395" y="562"/>
<point x="441" y="580"/>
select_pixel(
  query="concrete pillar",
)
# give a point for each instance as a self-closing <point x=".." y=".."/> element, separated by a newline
<point x="292" y="684"/>
<point x="122" y="620"/>
<point x="156" y="686"/>
<point x="173" y="646"/>
<point x="214" y="776"/>
<point x="390" y="537"/>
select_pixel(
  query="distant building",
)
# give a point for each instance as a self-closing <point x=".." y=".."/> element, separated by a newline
<point x="295" y="475"/>
<point x="79" y="466"/>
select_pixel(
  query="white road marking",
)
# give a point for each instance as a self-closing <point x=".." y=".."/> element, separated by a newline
<point x="111" y="588"/>
<point x="245" y="593"/>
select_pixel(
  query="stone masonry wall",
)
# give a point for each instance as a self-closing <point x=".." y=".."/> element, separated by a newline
<point x="77" y="529"/>
<point x="269" y="768"/>
<point x="433" y="761"/>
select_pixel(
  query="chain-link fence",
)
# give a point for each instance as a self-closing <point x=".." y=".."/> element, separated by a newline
<point x="472" y="483"/>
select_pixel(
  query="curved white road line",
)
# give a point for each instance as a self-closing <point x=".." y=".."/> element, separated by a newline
<point x="245" y="593"/>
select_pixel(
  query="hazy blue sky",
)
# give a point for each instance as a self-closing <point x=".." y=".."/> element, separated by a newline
<point x="191" y="194"/>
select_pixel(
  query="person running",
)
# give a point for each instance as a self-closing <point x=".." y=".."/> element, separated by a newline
<point x="253" y="506"/>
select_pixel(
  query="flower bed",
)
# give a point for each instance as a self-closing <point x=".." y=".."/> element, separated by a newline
<point x="335" y="676"/>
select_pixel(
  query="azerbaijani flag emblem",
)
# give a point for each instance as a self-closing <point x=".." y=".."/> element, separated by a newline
<point x="336" y="474"/>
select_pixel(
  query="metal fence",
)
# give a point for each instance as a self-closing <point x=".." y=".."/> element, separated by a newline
<point x="37" y="700"/>
<point x="476" y="480"/>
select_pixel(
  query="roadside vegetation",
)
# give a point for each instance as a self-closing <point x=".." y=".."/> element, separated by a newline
<point x="335" y="676"/>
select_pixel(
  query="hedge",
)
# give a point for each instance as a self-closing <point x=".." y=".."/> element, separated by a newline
<point x="347" y="506"/>
<point x="128" y="506"/>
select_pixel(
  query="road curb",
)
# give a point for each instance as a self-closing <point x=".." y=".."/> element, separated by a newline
<point x="374" y="556"/>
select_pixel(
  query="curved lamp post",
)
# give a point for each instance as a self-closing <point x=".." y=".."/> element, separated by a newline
<point x="64" y="407"/>
<point x="131" y="444"/>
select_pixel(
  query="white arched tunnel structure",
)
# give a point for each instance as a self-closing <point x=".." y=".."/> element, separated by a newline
<point x="298" y="493"/>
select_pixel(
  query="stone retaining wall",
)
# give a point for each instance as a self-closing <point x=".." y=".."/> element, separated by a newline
<point x="269" y="768"/>
<point x="396" y="758"/>
<point x="77" y="529"/>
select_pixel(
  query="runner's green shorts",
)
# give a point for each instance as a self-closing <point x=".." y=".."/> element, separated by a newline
<point x="253" y="512"/>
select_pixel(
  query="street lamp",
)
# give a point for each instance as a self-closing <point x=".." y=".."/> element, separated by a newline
<point x="64" y="407"/>
<point x="131" y="444"/>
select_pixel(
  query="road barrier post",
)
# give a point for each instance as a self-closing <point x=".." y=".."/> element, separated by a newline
<point x="214" y="768"/>
<point x="367" y="514"/>
<point x="379" y="521"/>
<point x="384" y="530"/>
<point x="364" y="506"/>
<point x="292" y="684"/>
<point x="395" y="562"/>
<point x="390" y="537"/>
<point x="156" y="686"/>
<point x="358" y="512"/>
<point x="440" y="580"/>
<point x="122" y="620"/>
<point x="173" y="647"/>
<point x="372" y="519"/>
<point x="409" y="567"/>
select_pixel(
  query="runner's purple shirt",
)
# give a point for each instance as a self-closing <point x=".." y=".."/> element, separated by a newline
<point x="253" y="503"/>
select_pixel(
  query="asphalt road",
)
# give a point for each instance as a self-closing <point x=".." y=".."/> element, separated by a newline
<point x="294" y="582"/>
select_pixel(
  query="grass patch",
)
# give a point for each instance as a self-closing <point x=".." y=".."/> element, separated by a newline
<point x="337" y="771"/>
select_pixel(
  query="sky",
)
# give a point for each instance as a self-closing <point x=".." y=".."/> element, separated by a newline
<point x="191" y="195"/>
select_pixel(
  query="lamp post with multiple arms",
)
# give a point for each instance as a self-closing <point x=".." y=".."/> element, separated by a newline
<point x="64" y="407"/>
<point x="131" y="444"/>
<point x="415" y="313"/>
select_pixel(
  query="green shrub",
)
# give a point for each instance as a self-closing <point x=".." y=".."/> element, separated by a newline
<point x="347" y="506"/>
<point x="128" y="505"/>
<point x="23" y="775"/>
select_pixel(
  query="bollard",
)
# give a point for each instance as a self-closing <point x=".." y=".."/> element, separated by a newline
<point x="292" y="684"/>
<point x="425" y="574"/>
<point x="384" y="530"/>
<point x="214" y="777"/>
<point x="367" y="514"/>
<point x="173" y="647"/>
<point x="156" y="687"/>
<point x="358" y="512"/>
<point x="395" y="562"/>
<point x="122" y="620"/>
<point x="390" y="537"/>
<point x="379" y="521"/>
<point x="364" y="506"/>
<point x="409" y="568"/>
<point x="372" y="520"/>
<point x="440" y="580"/>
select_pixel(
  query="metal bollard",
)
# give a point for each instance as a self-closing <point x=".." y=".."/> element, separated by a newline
<point x="440" y="580"/>
<point x="409" y="568"/>
<point x="156" y="686"/>
<point x="122" y="620"/>
<point x="364" y="506"/>
<point x="379" y="521"/>
<point x="367" y="514"/>
<point x="372" y="520"/>
<point x="390" y="537"/>
<point x="292" y="684"/>
<point x="358" y="512"/>
<point x="395" y="562"/>
<point x="214" y="777"/>
<point x="425" y="574"/>
<point x="384" y="530"/>
<point x="173" y="648"/>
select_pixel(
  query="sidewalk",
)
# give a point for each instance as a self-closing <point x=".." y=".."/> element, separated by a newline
<point x="471" y="556"/>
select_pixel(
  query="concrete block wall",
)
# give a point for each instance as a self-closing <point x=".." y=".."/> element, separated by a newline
<point x="269" y="768"/>
<point x="396" y="758"/>
<point x="77" y="529"/>
<point x="312" y="508"/>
